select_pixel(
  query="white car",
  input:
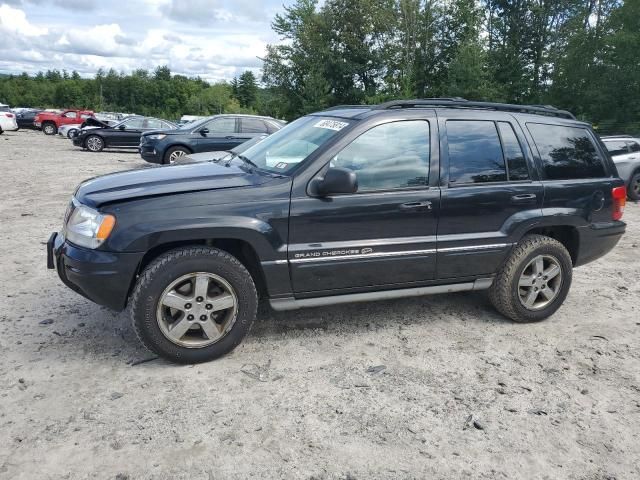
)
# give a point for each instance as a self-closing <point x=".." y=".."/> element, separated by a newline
<point x="70" y="131"/>
<point x="625" y="151"/>
<point x="8" y="122"/>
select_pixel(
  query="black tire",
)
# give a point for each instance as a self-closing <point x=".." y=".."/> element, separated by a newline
<point x="173" y="265"/>
<point x="504" y="292"/>
<point x="633" y="192"/>
<point x="71" y="133"/>
<point x="94" y="143"/>
<point x="172" y="151"/>
<point x="49" y="128"/>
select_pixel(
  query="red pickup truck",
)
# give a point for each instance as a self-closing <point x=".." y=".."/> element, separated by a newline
<point x="49" y="122"/>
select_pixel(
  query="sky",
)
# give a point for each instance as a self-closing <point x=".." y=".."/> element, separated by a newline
<point x="213" y="39"/>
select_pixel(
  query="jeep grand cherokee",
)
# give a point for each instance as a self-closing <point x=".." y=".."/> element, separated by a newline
<point x="346" y="205"/>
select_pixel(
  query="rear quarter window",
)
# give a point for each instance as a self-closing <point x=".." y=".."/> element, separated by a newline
<point x="616" y="147"/>
<point x="567" y="152"/>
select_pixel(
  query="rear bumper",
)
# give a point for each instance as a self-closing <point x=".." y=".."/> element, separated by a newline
<point x="78" y="141"/>
<point x="103" y="277"/>
<point x="597" y="240"/>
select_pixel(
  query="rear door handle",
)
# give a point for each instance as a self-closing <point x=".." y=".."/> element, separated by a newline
<point x="524" y="198"/>
<point x="426" y="204"/>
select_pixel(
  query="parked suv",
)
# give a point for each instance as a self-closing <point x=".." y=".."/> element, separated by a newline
<point x="211" y="134"/>
<point x="625" y="151"/>
<point x="347" y="205"/>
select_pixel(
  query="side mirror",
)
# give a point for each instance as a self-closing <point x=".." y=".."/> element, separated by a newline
<point x="122" y="127"/>
<point x="204" y="132"/>
<point x="336" y="180"/>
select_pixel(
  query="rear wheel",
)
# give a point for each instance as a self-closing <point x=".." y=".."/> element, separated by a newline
<point x="72" y="133"/>
<point x="175" y="153"/>
<point x="534" y="281"/>
<point x="49" y="128"/>
<point x="94" y="143"/>
<point x="193" y="304"/>
<point x="634" y="187"/>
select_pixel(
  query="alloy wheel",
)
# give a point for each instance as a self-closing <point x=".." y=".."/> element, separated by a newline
<point x="540" y="282"/>
<point x="197" y="310"/>
<point x="94" y="144"/>
<point x="176" y="155"/>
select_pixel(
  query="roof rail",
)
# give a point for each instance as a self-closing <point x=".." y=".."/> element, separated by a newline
<point x="344" y="107"/>
<point x="617" y="136"/>
<point x="457" y="102"/>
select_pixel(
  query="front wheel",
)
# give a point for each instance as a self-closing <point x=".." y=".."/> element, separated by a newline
<point x="49" y="128"/>
<point x="94" y="143"/>
<point x="534" y="281"/>
<point x="72" y="133"/>
<point x="174" y="154"/>
<point x="193" y="304"/>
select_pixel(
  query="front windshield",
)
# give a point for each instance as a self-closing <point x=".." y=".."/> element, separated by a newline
<point x="192" y="125"/>
<point x="283" y="150"/>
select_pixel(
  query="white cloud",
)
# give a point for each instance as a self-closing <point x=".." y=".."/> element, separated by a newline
<point x="162" y="32"/>
<point x="15" y="20"/>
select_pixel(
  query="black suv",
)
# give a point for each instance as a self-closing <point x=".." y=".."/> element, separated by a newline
<point x="212" y="134"/>
<point x="351" y="204"/>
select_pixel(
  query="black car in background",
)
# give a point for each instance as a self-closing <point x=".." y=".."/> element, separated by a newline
<point x="211" y="134"/>
<point x="25" y="118"/>
<point x="125" y="134"/>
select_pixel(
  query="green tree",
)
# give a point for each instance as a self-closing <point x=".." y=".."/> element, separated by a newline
<point x="246" y="89"/>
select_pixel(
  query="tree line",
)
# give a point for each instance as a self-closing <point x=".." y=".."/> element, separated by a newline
<point x="157" y="93"/>
<point x="580" y="55"/>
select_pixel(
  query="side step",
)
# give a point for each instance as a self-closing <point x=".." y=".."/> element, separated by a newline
<point x="290" y="303"/>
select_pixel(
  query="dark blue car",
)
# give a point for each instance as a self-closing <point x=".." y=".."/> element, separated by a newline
<point x="211" y="134"/>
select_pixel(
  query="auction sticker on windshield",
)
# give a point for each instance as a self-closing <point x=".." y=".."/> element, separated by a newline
<point x="331" y="124"/>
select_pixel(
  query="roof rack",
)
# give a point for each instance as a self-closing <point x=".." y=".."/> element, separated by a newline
<point x="345" y="107"/>
<point x="457" y="102"/>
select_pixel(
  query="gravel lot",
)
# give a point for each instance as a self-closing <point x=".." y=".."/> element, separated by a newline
<point x="460" y="392"/>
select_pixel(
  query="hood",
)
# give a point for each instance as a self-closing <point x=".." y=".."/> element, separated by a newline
<point x="168" y="131"/>
<point x="94" y="122"/>
<point x="170" y="179"/>
<point x="202" y="157"/>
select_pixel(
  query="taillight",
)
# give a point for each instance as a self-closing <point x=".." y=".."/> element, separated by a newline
<point x="10" y="115"/>
<point x="619" y="195"/>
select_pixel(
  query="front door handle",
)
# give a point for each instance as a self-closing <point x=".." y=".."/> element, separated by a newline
<point x="426" y="204"/>
<point x="229" y="136"/>
<point x="524" y="198"/>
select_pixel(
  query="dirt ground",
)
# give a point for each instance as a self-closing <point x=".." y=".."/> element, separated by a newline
<point x="438" y="387"/>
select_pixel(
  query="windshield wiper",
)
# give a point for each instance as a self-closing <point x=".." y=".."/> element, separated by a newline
<point x="244" y="159"/>
<point x="228" y="152"/>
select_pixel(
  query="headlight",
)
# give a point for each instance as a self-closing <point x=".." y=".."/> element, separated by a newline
<point x="159" y="136"/>
<point x="87" y="227"/>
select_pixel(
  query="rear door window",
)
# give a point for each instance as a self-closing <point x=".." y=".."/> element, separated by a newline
<point x="566" y="152"/>
<point x="475" y="153"/>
